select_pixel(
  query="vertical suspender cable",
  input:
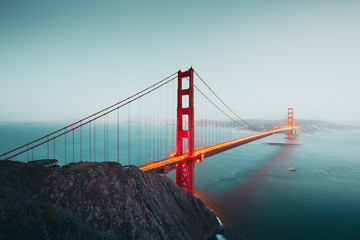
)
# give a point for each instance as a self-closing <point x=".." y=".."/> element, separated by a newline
<point x="107" y="137"/>
<point x="104" y="140"/>
<point x="90" y="141"/>
<point x="80" y="142"/>
<point x="154" y="132"/>
<point x="140" y="125"/>
<point x="94" y="141"/>
<point x="214" y="129"/>
<point x="48" y="155"/>
<point x="166" y="126"/>
<point x="160" y="129"/>
<point x="65" y="144"/>
<point x="73" y="145"/>
<point x="118" y="144"/>
<point x="129" y="136"/>
<point x="137" y="136"/>
<point x="205" y="123"/>
<point x="54" y="148"/>
<point x="148" y="131"/>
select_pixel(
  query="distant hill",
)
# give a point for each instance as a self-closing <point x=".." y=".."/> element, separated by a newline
<point x="306" y="125"/>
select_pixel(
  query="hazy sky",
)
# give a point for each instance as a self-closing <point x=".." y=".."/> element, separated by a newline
<point x="67" y="59"/>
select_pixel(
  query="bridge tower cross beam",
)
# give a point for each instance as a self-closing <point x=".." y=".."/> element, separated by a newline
<point x="185" y="129"/>
<point x="290" y="123"/>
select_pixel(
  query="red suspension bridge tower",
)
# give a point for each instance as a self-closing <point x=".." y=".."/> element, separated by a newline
<point x="185" y="130"/>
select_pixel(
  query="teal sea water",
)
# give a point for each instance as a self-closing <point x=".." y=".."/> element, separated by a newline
<point x="257" y="197"/>
<point x="251" y="188"/>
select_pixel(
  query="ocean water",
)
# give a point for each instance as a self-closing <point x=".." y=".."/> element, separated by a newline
<point x="251" y="188"/>
<point x="256" y="196"/>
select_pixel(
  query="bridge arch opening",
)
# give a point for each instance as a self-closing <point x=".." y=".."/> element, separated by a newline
<point x="185" y="122"/>
<point x="185" y="84"/>
<point x="185" y="101"/>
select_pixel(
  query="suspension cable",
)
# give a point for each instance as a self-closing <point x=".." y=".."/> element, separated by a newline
<point x="84" y="123"/>
<point x="105" y="109"/>
<point x="218" y="107"/>
<point x="225" y="103"/>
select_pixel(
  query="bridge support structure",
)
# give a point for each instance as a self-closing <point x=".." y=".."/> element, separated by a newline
<point x="185" y="129"/>
<point x="290" y="123"/>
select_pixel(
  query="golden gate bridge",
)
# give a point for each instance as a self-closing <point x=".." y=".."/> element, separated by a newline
<point x="147" y="130"/>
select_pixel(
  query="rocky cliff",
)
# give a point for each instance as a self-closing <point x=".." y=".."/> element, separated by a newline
<point x="97" y="201"/>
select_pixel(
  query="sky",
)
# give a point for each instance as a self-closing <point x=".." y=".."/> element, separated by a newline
<point x="68" y="59"/>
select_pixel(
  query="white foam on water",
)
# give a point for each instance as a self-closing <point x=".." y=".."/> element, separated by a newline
<point x="220" y="237"/>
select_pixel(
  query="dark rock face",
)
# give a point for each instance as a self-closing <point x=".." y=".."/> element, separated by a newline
<point x="97" y="201"/>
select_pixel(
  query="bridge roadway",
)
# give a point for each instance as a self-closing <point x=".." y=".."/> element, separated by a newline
<point x="165" y="165"/>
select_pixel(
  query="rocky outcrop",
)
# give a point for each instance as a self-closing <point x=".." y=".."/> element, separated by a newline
<point x="97" y="201"/>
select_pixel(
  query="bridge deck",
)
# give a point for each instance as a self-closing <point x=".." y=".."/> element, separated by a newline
<point x="173" y="162"/>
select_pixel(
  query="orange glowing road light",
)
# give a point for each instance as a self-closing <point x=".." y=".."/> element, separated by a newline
<point x="178" y="161"/>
